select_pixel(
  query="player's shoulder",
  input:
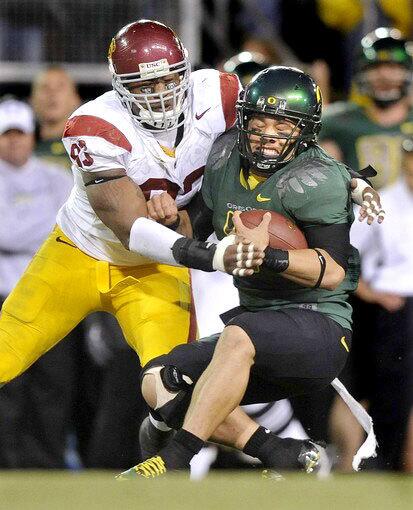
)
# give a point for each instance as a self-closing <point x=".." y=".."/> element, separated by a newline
<point x="104" y="118"/>
<point x="221" y="150"/>
<point x="214" y="97"/>
<point x="314" y="171"/>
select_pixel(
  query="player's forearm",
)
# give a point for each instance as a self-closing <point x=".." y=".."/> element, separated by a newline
<point x="118" y="203"/>
<point x="185" y="227"/>
<point x="304" y="268"/>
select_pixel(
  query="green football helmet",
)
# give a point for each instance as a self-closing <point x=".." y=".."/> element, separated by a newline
<point x="384" y="46"/>
<point x="285" y="93"/>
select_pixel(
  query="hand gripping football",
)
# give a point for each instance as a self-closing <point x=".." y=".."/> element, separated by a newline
<point x="284" y="234"/>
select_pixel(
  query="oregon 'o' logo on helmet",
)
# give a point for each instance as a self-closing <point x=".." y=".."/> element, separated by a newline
<point x="286" y="93"/>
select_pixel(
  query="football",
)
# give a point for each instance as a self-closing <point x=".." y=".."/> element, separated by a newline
<point x="284" y="234"/>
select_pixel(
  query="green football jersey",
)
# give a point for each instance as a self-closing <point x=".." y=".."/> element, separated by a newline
<point x="363" y="142"/>
<point x="54" y="152"/>
<point x="313" y="189"/>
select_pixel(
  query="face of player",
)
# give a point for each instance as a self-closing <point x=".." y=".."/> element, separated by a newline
<point x="54" y="96"/>
<point x="16" y="147"/>
<point x="157" y="86"/>
<point x="408" y="169"/>
<point x="386" y="80"/>
<point x="271" y="135"/>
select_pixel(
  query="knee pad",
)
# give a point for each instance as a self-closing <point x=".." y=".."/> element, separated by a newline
<point x="173" y="394"/>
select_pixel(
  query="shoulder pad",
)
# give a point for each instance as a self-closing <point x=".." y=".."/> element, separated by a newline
<point x="222" y="148"/>
<point x="307" y="171"/>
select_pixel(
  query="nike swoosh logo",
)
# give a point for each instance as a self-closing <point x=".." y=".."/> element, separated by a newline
<point x="262" y="199"/>
<point x="60" y="240"/>
<point x="199" y="116"/>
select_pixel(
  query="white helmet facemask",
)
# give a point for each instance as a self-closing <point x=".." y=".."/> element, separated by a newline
<point x="158" y="111"/>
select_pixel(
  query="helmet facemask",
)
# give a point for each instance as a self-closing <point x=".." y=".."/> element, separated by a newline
<point x="152" y="109"/>
<point x="384" y="67"/>
<point x="303" y="133"/>
<point x="385" y="98"/>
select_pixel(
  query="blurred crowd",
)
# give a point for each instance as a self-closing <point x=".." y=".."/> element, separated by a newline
<point x="79" y="406"/>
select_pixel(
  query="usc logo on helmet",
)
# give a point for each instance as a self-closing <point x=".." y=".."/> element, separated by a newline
<point x="112" y="48"/>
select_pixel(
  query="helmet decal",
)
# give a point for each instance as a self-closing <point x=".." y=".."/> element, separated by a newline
<point x="112" y="48"/>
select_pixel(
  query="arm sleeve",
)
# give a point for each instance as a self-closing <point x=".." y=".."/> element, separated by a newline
<point x="201" y="217"/>
<point x="334" y="239"/>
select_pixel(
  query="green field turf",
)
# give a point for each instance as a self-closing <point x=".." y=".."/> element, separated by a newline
<point x="227" y="491"/>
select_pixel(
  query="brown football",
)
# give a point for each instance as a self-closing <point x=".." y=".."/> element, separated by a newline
<point x="284" y="234"/>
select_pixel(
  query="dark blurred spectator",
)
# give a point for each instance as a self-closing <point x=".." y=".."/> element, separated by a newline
<point x="54" y="97"/>
<point x="34" y="408"/>
<point x="387" y="263"/>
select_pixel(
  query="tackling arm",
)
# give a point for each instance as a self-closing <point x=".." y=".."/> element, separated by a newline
<point x="116" y="200"/>
<point x="121" y="206"/>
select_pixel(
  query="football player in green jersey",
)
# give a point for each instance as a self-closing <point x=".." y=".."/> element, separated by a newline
<point x="372" y="132"/>
<point x="292" y="332"/>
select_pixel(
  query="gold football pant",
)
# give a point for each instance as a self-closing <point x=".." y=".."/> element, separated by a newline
<point x="62" y="285"/>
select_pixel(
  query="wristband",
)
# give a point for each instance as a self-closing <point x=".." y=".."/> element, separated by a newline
<point x="218" y="262"/>
<point x="277" y="260"/>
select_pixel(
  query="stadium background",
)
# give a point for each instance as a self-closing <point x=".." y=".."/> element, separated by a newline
<point x="76" y="34"/>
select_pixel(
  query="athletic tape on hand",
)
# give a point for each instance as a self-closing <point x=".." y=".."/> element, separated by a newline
<point x="218" y="260"/>
<point x="357" y="192"/>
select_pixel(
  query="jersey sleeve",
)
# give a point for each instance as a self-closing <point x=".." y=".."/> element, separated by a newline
<point x="215" y="96"/>
<point x="207" y="187"/>
<point x="94" y="144"/>
<point x="318" y="195"/>
<point x="230" y="88"/>
<point x="218" y="157"/>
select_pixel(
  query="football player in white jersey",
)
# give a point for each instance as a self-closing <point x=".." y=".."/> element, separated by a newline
<point x="149" y="135"/>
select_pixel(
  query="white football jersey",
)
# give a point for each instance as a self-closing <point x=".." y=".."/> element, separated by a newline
<point x="101" y="135"/>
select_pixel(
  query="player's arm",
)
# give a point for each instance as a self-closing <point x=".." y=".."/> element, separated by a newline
<point x="324" y="263"/>
<point x="121" y="206"/>
<point x="193" y="221"/>
<point x="116" y="200"/>
<point x="321" y="266"/>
